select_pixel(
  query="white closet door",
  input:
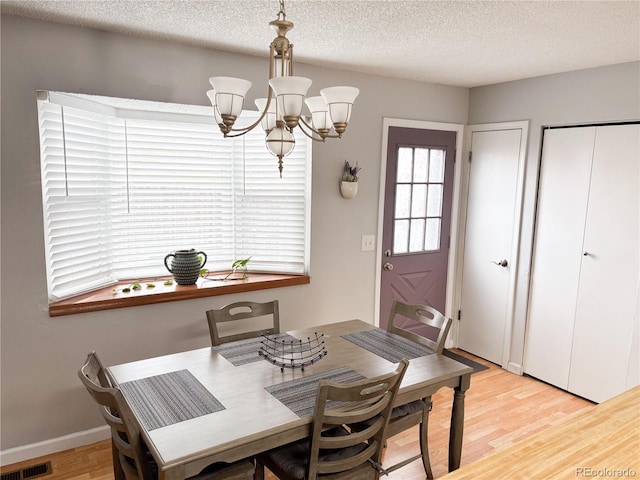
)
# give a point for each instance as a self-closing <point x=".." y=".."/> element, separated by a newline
<point x="492" y="221"/>
<point x="605" y="306"/>
<point x="562" y="204"/>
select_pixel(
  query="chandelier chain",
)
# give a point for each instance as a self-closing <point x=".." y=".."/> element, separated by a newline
<point x="281" y="12"/>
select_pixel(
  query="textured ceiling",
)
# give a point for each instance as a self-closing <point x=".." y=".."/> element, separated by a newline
<point x="463" y="43"/>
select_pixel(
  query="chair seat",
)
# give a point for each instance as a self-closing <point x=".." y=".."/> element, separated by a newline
<point x="397" y="412"/>
<point x="293" y="458"/>
<point x="407" y="409"/>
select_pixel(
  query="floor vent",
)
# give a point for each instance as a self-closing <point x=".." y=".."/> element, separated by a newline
<point x="29" y="472"/>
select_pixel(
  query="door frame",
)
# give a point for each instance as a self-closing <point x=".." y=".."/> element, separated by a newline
<point x="455" y="207"/>
<point x="517" y="229"/>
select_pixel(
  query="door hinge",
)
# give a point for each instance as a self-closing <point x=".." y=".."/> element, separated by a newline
<point x="459" y="314"/>
<point x="469" y="155"/>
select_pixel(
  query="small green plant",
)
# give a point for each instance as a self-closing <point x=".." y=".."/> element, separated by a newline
<point x="133" y="286"/>
<point x="138" y="286"/>
<point x="241" y="265"/>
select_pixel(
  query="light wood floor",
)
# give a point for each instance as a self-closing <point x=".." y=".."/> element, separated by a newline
<point x="500" y="409"/>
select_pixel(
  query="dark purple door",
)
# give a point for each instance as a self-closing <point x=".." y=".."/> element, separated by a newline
<point x="417" y="219"/>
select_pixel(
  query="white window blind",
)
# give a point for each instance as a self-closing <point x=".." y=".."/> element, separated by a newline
<point x="123" y="187"/>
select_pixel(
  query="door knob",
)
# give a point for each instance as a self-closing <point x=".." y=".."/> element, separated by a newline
<point x="388" y="266"/>
<point x="502" y="263"/>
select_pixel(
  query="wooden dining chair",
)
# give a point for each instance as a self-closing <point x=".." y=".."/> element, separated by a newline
<point x="333" y="451"/>
<point x="133" y="456"/>
<point x="415" y="413"/>
<point x="102" y="377"/>
<point x="235" y="312"/>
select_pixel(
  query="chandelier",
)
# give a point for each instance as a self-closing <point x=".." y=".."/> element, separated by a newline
<point x="281" y="111"/>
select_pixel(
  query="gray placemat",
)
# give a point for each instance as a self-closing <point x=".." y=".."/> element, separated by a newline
<point x="388" y="345"/>
<point x="169" y="398"/>
<point x="299" y="395"/>
<point x="246" y="351"/>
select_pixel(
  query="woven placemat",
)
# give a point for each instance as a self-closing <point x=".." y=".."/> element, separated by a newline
<point x="169" y="398"/>
<point x="299" y="395"/>
<point x="388" y="345"/>
<point x="246" y="351"/>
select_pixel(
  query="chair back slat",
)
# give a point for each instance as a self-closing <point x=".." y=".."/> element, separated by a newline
<point x="423" y="314"/>
<point x="237" y="311"/>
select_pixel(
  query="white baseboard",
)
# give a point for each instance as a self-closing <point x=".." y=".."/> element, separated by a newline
<point x="47" y="447"/>
<point x="514" y="368"/>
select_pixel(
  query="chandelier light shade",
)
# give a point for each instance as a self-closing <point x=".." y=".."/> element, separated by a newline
<point x="339" y="100"/>
<point x="229" y="97"/>
<point x="290" y="93"/>
<point x="212" y="97"/>
<point x="282" y="110"/>
<point x="268" y="122"/>
<point x="319" y="114"/>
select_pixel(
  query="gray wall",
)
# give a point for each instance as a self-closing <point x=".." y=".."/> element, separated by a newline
<point x="41" y="396"/>
<point x="606" y="94"/>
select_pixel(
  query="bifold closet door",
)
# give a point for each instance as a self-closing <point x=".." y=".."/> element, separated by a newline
<point x="606" y="303"/>
<point x="562" y="203"/>
<point x="585" y="263"/>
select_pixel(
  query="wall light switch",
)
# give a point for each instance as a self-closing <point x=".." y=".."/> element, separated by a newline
<point x="368" y="243"/>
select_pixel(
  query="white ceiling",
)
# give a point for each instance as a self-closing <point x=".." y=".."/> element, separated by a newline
<point x="455" y="42"/>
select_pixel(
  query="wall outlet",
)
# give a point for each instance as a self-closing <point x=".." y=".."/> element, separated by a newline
<point x="368" y="243"/>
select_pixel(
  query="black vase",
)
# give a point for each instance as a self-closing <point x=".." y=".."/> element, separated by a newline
<point x="185" y="265"/>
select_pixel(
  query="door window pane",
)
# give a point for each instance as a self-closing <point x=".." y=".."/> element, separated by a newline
<point x="421" y="165"/>
<point x="403" y="201"/>
<point x="400" y="236"/>
<point x="419" y="200"/>
<point x="405" y="164"/>
<point x="432" y="234"/>
<point x="434" y="203"/>
<point x="416" y="238"/>
<point x="436" y="166"/>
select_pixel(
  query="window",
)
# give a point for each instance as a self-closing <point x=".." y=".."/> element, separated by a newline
<point x="126" y="182"/>
<point x="419" y="197"/>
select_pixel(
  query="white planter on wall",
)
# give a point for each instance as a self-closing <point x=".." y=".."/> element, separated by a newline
<point x="349" y="189"/>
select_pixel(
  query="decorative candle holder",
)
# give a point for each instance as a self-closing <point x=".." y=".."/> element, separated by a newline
<point x="292" y="353"/>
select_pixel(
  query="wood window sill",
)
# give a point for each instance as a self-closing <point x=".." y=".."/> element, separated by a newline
<point x="106" y="299"/>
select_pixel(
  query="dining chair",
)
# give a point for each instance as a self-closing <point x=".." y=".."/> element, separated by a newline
<point x="415" y="413"/>
<point x="102" y="378"/>
<point x="235" y="312"/>
<point x="333" y="451"/>
<point x="133" y="456"/>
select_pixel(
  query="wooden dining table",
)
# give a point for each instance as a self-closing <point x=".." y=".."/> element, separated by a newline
<point x="230" y="412"/>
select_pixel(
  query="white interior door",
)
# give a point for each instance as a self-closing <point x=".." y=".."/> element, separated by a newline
<point x="606" y="300"/>
<point x="494" y="204"/>
<point x="562" y="203"/>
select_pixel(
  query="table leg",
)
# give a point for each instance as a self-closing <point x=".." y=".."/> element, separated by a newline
<point x="457" y="423"/>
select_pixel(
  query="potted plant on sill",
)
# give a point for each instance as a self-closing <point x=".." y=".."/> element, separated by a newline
<point x="349" y="183"/>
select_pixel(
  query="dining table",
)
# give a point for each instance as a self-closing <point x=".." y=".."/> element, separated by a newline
<point x="225" y="403"/>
